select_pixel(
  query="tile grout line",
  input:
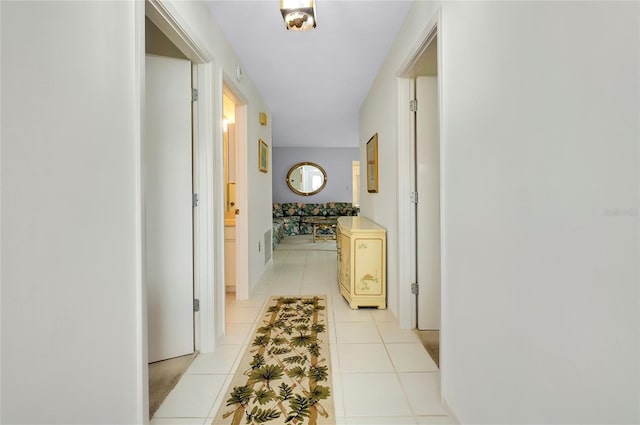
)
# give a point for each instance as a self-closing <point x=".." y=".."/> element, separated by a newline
<point x="316" y="267"/>
<point x="397" y="374"/>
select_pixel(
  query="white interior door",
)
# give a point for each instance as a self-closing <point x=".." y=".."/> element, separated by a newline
<point x="168" y="209"/>
<point x="428" y="207"/>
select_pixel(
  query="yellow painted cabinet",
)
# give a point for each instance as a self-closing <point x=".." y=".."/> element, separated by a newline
<point x="362" y="262"/>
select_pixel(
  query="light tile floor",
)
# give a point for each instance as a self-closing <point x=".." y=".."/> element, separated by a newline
<point x="381" y="375"/>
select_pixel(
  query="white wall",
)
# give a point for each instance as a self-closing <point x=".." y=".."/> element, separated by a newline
<point x="381" y="207"/>
<point x="71" y="334"/>
<point x="540" y="136"/>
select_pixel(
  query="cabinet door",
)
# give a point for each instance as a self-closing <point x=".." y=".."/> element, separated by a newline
<point x="230" y="257"/>
<point x="367" y="270"/>
<point x="339" y="252"/>
<point x="345" y="260"/>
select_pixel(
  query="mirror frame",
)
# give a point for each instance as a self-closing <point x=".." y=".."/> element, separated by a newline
<point x="300" y="164"/>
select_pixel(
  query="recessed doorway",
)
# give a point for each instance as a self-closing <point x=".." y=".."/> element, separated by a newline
<point x="169" y="221"/>
<point x="419" y="104"/>
<point x="230" y="144"/>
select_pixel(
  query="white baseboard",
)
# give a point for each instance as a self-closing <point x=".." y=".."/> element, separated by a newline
<point x="447" y="408"/>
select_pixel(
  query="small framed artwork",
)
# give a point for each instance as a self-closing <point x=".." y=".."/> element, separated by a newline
<point x="372" y="164"/>
<point x="263" y="156"/>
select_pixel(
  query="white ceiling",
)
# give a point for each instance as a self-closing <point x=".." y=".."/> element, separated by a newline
<point x="315" y="81"/>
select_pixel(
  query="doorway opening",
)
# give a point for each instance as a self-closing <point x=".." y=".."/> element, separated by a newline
<point x="420" y="87"/>
<point x="427" y="185"/>
<point x="168" y="148"/>
<point x="355" y="183"/>
<point x="203" y="202"/>
<point x="234" y="192"/>
<point x="230" y="144"/>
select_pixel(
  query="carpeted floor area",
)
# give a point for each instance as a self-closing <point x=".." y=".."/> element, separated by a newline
<point x="431" y="342"/>
<point x="163" y="376"/>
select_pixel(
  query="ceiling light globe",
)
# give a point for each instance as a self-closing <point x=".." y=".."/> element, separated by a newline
<point x="299" y="15"/>
<point x="299" y="21"/>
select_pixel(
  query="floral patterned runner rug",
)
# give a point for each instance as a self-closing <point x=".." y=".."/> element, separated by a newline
<point x="284" y="376"/>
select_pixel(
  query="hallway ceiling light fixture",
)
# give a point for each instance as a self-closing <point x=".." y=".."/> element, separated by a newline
<point x="298" y="15"/>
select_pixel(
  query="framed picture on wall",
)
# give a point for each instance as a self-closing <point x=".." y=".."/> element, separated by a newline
<point x="263" y="156"/>
<point x="372" y="164"/>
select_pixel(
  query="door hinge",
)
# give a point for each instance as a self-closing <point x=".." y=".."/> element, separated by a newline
<point x="194" y="95"/>
<point x="414" y="197"/>
<point x="194" y="200"/>
<point x="415" y="289"/>
<point x="413" y="105"/>
<point x="196" y="305"/>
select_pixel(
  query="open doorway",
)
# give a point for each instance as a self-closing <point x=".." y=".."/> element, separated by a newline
<point x="419" y="78"/>
<point x="234" y="178"/>
<point x="230" y="143"/>
<point x="427" y="183"/>
<point x="169" y="221"/>
<point x="355" y="183"/>
<point x="205" y="203"/>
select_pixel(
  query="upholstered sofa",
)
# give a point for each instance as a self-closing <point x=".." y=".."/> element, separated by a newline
<point x="290" y="218"/>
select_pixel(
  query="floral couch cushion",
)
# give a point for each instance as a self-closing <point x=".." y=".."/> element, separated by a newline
<point x="313" y="210"/>
<point x="296" y="209"/>
<point x="288" y="216"/>
<point x="291" y="208"/>
<point x="340" y="208"/>
<point x="277" y="210"/>
<point x="278" y="231"/>
<point x="291" y="225"/>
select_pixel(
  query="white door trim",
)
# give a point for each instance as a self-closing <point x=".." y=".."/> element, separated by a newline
<point x="208" y="238"/>
<point x="164" y="15"/>
<point x="241" y="271"/>
<point x="142" y="357"/>
<point x="405" y="75"/>
<point x="406" y="175"/>
<point x="205" y="215"/>
<point x="242" y="199"/>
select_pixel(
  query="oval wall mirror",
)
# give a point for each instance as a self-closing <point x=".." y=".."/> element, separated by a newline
<point x="306" y="178"/>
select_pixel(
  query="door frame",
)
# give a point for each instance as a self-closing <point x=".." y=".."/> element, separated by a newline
<point x="406" y="184"/>
<point x="164" y="15"/>
<point x="407" y="180"/>
<point x="208" y="218"/>
<point x="242" y="193"/>
<point x="209" y="79"/>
